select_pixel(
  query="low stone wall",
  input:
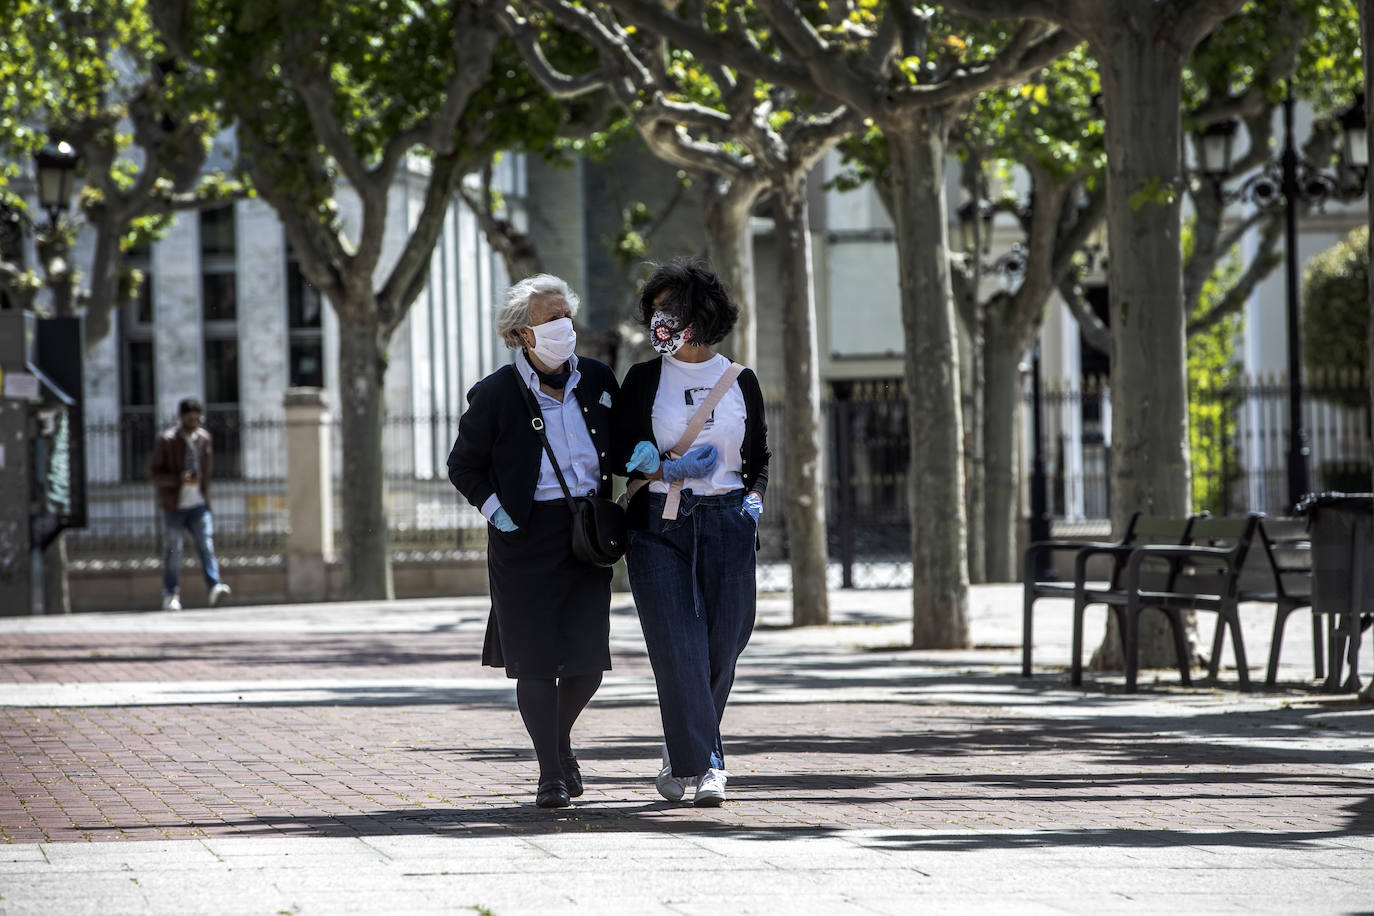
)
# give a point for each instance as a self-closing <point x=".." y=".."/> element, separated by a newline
<point x="140" y="588"/>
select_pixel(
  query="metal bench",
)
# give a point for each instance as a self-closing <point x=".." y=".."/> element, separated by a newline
<point x="1140" y="529"/>
<point x="1203" y="575"/>
<point x="1286" y="582"/>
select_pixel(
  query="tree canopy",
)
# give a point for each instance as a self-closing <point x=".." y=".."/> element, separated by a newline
<point x="97" y="76"/>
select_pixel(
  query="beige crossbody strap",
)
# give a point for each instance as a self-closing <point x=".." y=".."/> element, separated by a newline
<point x="703" y="413"/>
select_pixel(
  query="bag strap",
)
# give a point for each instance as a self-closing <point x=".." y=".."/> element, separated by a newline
<point x="694" y="427"/>
<point x="537" y="424"/>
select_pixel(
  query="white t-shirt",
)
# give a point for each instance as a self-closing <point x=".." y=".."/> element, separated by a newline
<point x="681" y="388"/>
<point x="190" y="495"/>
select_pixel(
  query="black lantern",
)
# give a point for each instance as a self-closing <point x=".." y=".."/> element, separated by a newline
<point x="1354" y="148"/>
<point x="1216" y="148"/>
<point x="56" y="167"/>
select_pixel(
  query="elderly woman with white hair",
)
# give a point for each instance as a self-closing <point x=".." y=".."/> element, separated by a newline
<point x="550" y="621"/>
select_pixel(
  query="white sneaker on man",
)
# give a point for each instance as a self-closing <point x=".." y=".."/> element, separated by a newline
<point x="171" y="603"/>
<point x="710" y="789"/>
<point x="219" y="593"/>
<point x="669" y="786"/>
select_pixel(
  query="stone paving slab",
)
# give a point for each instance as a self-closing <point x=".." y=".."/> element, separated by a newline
<point x="354" y="758"/>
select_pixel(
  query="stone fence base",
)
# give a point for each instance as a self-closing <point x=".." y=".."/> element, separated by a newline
<point x="139" y="588"/>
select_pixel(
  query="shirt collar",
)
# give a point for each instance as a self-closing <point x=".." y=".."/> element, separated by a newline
<point x="522" y="365"/>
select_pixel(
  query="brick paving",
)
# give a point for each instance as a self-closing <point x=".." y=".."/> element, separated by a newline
<point x="365" y="767"/>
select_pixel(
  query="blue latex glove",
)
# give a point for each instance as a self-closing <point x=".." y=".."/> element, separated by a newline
<point x="753" y="506"/>
<point x="696" y="463"/>
<point x="643" y="458"/>
<point x="501" y="519"/>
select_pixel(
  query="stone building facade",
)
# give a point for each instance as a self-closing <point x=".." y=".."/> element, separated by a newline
<point x="225" y="315"/>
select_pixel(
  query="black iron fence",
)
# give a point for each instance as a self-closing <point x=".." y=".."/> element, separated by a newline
<point x="1239" y="443"/>
<point x="1239" y="464"/>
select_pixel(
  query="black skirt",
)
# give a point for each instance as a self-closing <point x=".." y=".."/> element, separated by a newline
<point x="550" y="612"/>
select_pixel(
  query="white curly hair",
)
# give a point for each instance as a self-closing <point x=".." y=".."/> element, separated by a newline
<point x="514" y="313"/>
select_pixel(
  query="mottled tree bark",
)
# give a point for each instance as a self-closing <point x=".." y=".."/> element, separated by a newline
<point x="1142" y="87"/>
<point x="362" y="375"/>
<point x="939" y="592"/>
<point x="804" y="484"/>
<point x="1367" y="42"/>
<point x="1001" y="404"/>
<point x="726" y="206"/>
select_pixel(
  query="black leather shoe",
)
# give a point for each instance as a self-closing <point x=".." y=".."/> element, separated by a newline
<point x="572" y="775"/>
<point x="553" y="793"/>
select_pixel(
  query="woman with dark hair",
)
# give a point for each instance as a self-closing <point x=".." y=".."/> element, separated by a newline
<point x="550" y="621"/>
<point x="690" y="432"/>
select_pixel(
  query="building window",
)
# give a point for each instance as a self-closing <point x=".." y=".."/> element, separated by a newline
<point x="304" y="312"/>
<point x="219" y="310"/>
<point x="138" y="427"/>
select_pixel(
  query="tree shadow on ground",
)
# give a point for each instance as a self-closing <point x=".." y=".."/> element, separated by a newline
<point x="661" y="817"/>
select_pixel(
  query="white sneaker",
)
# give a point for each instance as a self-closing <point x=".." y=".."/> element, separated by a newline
<point x="219" y="593"/>
<point x="171" y="603"/>
<point x="669" y="786"/>
<point x="711" y="789"/>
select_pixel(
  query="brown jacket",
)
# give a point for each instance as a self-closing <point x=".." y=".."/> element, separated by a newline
<point x="169" y="460"/>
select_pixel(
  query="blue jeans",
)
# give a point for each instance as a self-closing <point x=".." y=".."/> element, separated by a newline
<point x="201" y="526"/>
<point x="693" y="583"/>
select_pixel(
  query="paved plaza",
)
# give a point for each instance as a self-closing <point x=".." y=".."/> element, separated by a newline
<point x="354" y="758"/>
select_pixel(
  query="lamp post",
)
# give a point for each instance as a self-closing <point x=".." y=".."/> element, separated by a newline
<point x="55" y="169"/>
<point x="975" y="224"/>
<point x="1290" y="180"/>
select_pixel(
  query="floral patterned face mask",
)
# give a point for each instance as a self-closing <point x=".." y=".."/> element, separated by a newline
<point x="667" y="334"/>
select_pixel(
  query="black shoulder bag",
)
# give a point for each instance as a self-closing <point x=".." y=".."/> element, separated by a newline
<point x="598" y="525"/>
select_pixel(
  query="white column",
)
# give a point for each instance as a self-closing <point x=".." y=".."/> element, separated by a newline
<point x="263" y="339"/>
<point x="179" y="342"/>
<point x="309" y="495"/>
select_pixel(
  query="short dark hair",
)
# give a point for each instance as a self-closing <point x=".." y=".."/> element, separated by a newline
<point x="188" y="405"/>
<point x="695" y="295"/>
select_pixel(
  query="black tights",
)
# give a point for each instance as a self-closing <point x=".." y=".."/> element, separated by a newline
<point x="549" y="709"/>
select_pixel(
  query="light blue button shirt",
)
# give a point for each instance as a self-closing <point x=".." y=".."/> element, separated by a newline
<point x="565" y="425"/>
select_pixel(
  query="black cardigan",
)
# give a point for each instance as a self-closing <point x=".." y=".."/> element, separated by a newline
<point x="497" y="450"/>
<point x="632" y="422"/>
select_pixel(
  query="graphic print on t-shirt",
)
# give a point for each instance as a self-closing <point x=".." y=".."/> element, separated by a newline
<point x="692" y="396"/>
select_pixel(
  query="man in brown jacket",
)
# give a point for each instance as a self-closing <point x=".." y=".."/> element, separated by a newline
<point x="180" y="468"/>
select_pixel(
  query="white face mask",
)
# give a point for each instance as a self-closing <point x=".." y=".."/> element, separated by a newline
<point x="554" y="342"/>
<point x="667" y="334"/>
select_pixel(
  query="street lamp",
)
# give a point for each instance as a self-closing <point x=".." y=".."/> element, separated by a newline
<point x="55" y="164"/>
<point x="1289" y="180"/>
<point x="1011" y="269"/>
<point x="1011" y="265"/>
<point x="55" y="167"/>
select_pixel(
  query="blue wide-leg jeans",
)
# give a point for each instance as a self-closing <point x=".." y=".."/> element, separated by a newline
<point x="200" y="524"/>
<point x="694" y="588"/>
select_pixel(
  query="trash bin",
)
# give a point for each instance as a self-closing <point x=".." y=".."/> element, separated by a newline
<point x="1342" y="575"/>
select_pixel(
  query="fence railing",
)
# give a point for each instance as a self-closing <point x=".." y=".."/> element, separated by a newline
<point x="1239" y="464"/>
<point x="1239" y="437"/>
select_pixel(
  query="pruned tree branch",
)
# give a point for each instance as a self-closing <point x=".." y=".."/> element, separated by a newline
<point x="1264" y="261"/>
<point x="1043" y="10"/>
<point x="313" y="89"/>
<point x="728" y="49"/>
<point x="1041" y="237"/>
<point x="1088" y="218"/>
<point x="1027" y="53"/>
<point x="411" y="271"/>
<point x="1193" y="19"/>
<point x="558" y="84"/>
<point x="516" y="248"/>
<point x="1095" y="332"/>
